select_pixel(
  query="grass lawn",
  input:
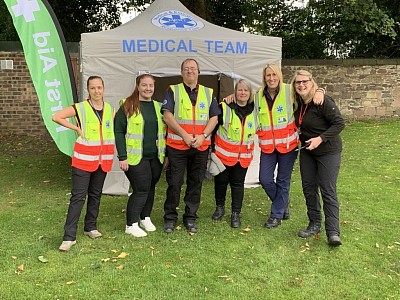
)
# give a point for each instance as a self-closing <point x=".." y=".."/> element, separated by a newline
<point x="217" y="263"/>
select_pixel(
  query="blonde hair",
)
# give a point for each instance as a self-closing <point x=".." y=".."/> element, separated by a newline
<point x="310" y="95"/>
<point x="248" y="85"/>
<point x="277" y="70"/>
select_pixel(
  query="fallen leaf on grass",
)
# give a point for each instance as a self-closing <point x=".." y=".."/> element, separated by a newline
<point x="247" y="229"/>
<point x="114" y="260"/>
<point x="114" y="251"/>
<point x="42" y="259"/>
<point x="71" y="282"/>
<point x="21" y="267"/>
<point x="305" y="247"/>
<point x="191" y="233"/>
<point x="123" y="255"/>
<point x="173" y="275"/>
<point x="14" y="257"/>
<point x="168" y="265"/>
<point x="178" y="227"/>
<point x="46" y="181"/>
<point x="376" y="245"/>
<point x="397" y="243"/>
<point x="120" y="267"/>
<point x="105" y="259"/>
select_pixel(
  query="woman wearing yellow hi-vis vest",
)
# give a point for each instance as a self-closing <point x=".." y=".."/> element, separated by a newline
<point x="140" y="140"/>
<point x="92" y="158"/>
<point x="234" y="145"/>
<point x="278" y="140"/>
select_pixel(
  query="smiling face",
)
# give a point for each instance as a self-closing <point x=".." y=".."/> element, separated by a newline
<point x="96" y="89"/>
<point x="146" y="88"/>
<point x="303" y="85"/>
<point x="190" y="72"/>
<point x="271" y="78"/>
<point x="242" y="93"/>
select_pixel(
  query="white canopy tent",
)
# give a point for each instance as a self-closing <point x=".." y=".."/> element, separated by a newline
<point x="156" y="42"/>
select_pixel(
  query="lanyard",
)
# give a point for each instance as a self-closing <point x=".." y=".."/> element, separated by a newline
<point x="301" y="116"/>
<point x="96" y="111"/>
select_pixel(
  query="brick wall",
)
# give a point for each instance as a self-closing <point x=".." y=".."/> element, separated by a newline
<point x="363" y="89"/>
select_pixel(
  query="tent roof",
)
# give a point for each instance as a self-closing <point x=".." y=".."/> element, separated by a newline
<point x="165" y="34"/>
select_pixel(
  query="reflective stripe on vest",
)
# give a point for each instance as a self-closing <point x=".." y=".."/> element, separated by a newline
<point x="97" y="146"/>
<point x="192" y="118"/>
<point x="233" y="141"/>
<point x="277" y="126"/>
<point x="134" y="136"/>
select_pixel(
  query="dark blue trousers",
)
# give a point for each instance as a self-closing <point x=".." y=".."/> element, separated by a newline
<point x="277" y="188"/>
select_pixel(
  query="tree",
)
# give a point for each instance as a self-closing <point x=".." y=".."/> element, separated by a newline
<point x="74" y="16"/>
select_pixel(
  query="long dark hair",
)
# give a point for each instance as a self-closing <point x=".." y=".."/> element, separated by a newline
<point x="131" y="105"/>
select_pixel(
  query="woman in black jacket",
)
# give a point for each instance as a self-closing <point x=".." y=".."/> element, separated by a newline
<point x="320" y="156"/>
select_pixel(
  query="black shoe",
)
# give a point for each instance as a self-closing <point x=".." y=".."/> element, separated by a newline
<point x="169" y="227"/>
<point x="272" y="222"/>
<point x="219" y="213"/>
<point x="235" y="219"/>
<point x="191" y="227"/>
<point x="286" y="214"/>
<point x="334" y="240"/>
<point x="310" y="230"/>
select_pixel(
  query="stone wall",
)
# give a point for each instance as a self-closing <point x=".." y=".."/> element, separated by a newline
<point x="363" y="89"/>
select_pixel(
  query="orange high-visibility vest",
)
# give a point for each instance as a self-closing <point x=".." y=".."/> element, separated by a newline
<point x="234" y="141"/>
<point x="192" y="118"/>
<point x="277" y="126"/>
<point x="97" y="146"/>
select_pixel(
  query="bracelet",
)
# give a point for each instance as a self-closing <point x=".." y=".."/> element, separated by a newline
<point x="205" y="135"/>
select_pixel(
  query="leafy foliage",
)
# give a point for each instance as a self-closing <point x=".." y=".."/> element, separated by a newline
<point x="309" y="29"/>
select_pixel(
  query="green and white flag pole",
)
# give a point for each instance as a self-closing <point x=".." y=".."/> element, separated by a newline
<point x="49" y="63"/>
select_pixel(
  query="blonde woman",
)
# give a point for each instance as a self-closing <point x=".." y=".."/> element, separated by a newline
<point x="321" y="156"/>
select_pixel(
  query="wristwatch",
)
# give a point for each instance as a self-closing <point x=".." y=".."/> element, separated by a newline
<point x="205" y="135"/>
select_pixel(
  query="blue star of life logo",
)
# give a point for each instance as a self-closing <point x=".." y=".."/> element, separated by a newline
<point x="280" y="108"/>
<point x="26" y="8"/>
<point x="176" y="20"/>
<point x="249" y="124"/>
<point x="202" y="105"/>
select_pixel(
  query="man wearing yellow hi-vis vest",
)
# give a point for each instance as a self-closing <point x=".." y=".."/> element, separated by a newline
<point x="191" y="113"/>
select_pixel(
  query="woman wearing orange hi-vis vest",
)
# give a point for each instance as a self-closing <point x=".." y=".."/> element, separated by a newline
<point x="92" y="158"/>
<point x="278" y="140"/>
<point x="234" y="145"/>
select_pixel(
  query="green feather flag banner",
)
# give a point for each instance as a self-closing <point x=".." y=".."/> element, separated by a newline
<point x="49" y="64"/>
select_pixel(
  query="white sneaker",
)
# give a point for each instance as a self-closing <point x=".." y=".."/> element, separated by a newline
<point x="93" y="234"/>
<point x="147" y="224"/>
<point x="135" y="230"/>
<point x="66" y="245"/>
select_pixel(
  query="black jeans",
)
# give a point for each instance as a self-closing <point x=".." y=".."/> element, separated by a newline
<point x="84" y="183"/>
<point x="143" y="178"/>
<point x="195" y="163"/>
<point x="234" y="176"/>
<point x="321" y="172"/>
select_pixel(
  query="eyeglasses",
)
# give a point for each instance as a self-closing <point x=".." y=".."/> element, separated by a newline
<point x="189" y="69"/>
<point x="304" y="82"/>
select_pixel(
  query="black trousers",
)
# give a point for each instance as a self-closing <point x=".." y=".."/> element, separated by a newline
<point x="195" y="163"/>
<point x="143" y="178"/>
<point x="321" y="173"/>
<point x="234" y="176"/>
<point x="84" y="183"/>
